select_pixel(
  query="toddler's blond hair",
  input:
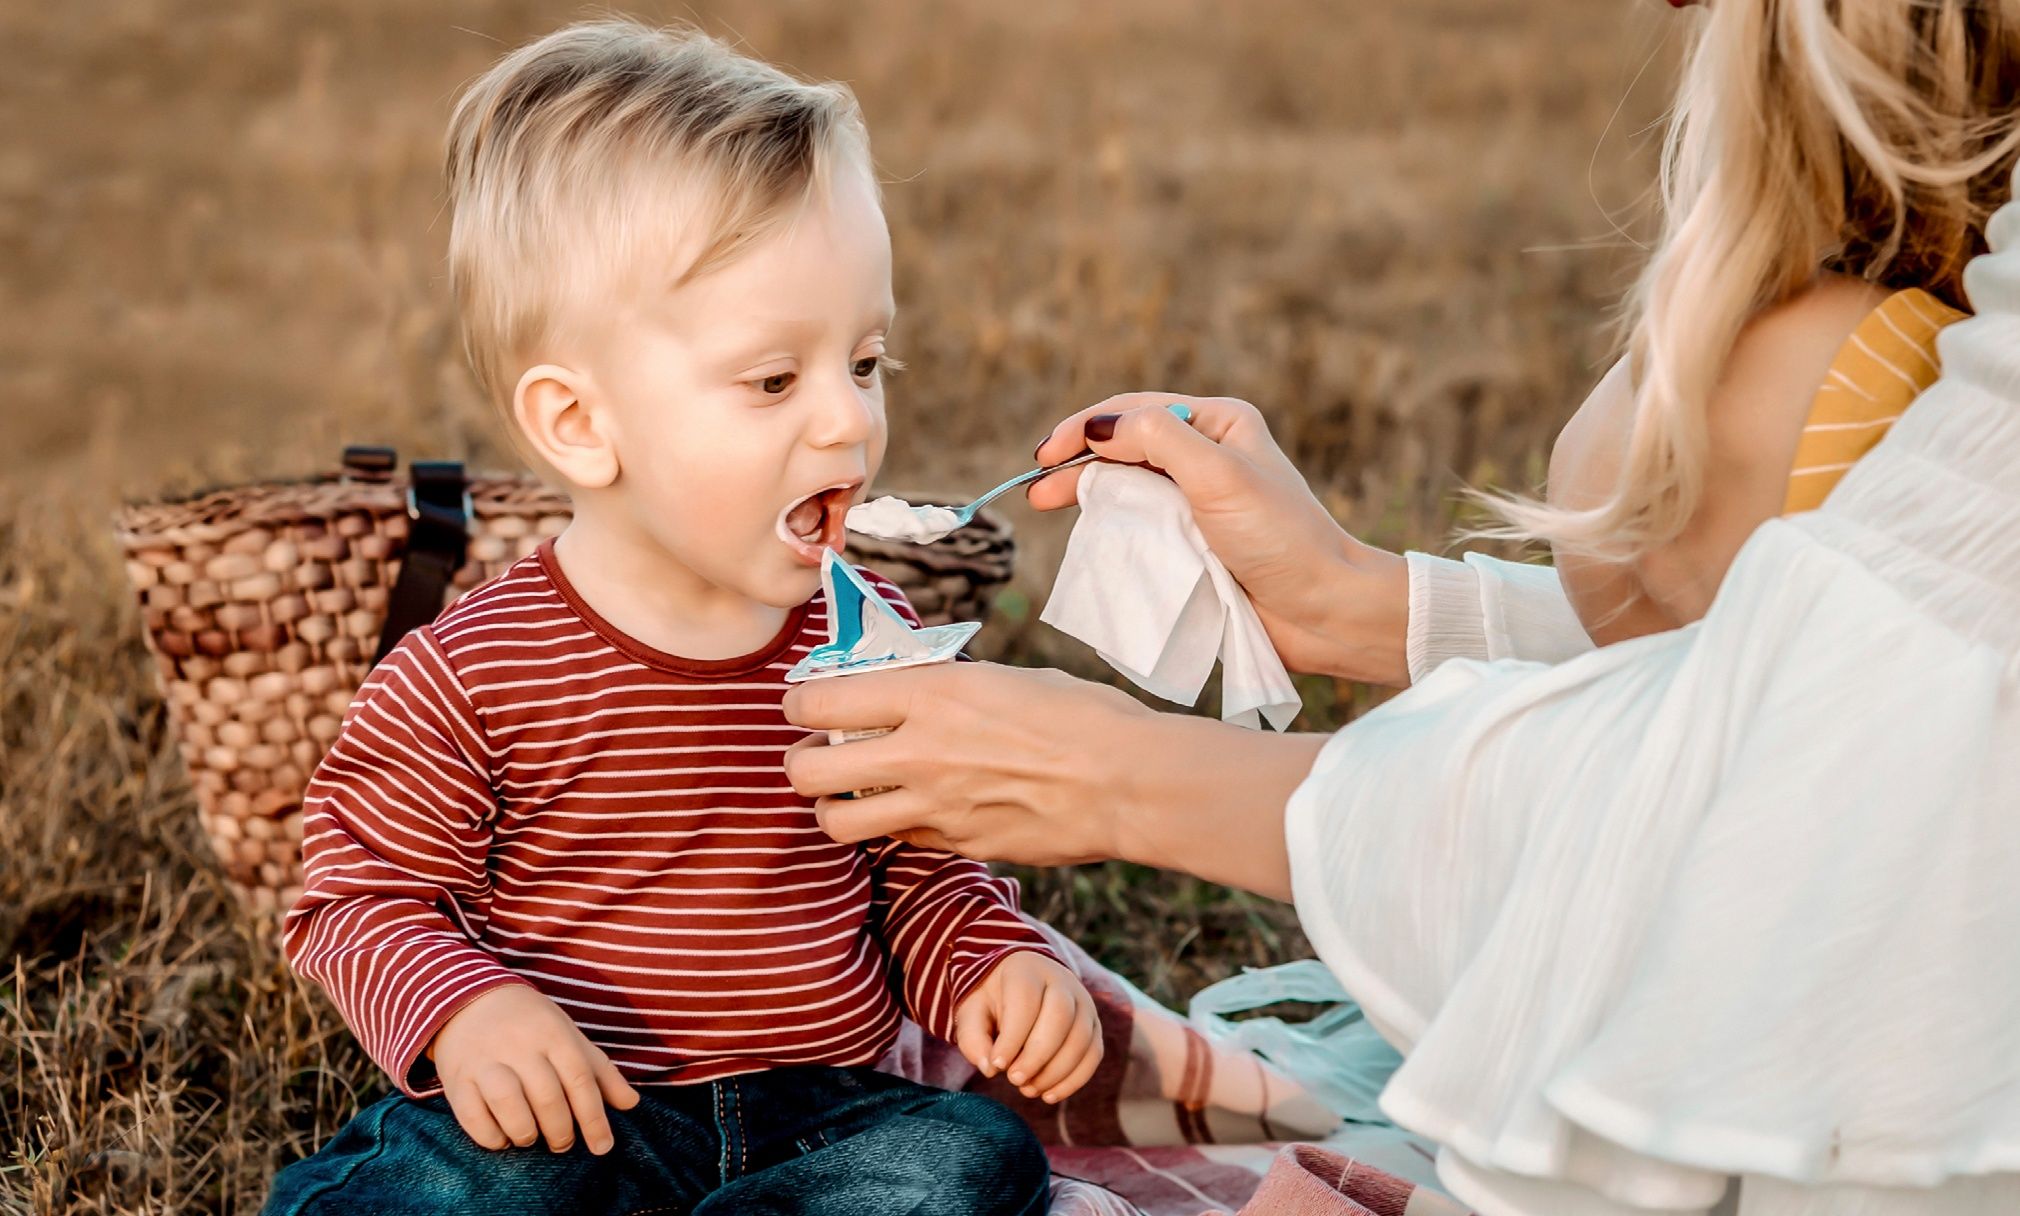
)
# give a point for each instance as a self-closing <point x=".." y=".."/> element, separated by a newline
<point x="583" y="164"/>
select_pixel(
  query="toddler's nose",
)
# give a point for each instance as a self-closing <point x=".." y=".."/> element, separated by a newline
<point x="845" y="417"/>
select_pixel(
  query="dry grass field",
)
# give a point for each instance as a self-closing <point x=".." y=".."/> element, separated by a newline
<point x="1392" y="223"/>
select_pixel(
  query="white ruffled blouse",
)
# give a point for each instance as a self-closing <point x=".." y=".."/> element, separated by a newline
<point x="1726" y="918"/>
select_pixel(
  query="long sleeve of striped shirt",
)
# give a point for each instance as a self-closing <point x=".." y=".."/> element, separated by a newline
<point x="522" y="793"/>
<point x="947" y="922"/>
<point x="396" y="827"/>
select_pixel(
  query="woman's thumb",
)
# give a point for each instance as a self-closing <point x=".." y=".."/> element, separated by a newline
<point x="1159" y="438"/>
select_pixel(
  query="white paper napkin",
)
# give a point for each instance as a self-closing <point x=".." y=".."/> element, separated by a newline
<point x="1140" y="585"/>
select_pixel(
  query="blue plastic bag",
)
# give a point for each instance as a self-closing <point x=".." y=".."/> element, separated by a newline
<point x="1337" y="1055"/>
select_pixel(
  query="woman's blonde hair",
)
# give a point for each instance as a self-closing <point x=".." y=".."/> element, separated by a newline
<point x="610" y="152"/>
<point x="1867" y="137"/>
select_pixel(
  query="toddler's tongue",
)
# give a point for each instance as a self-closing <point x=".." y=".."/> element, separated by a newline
<point x="804" y="521"/>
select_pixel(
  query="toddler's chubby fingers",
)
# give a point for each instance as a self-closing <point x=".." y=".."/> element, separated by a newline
<point x="1049" y="1031"/>
<point x="1017" y="1007"/>
<point x="1082" y="1073"/>
<point x="473" y="1115"/>
<point x="506" y="1099"/>
<point x="972" y="1025"/>
<point x="584" y="1096"/>
<point x="1084" y="1039"/>
<point x="617" y="1091"/>
<point x="544" y="1093"/>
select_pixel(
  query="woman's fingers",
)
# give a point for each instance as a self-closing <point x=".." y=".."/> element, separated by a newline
<point x="861" y="702"/>
<point x="1061" y="489"/>
<point x="1049" y="1032"/>
<point x="579" y="1085"/>
<point x="1070" y="439"/>
<point x="1158" y="438"/>
<point x="819" y="769"/>
<point x="899" y="814"/>
<point x="506" y="1099"/>
<point x="473" y="1115"/>
<point x="1209" y="456"/>
<point x="1214" y="417"/>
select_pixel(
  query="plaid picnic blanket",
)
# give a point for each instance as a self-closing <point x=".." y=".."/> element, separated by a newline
<point x="1174" y="1124"/>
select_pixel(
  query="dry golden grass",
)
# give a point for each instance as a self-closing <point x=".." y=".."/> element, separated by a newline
<point x="1383" y="220"/>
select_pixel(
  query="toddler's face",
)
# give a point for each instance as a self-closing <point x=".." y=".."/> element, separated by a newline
<point x="748" y="404"/>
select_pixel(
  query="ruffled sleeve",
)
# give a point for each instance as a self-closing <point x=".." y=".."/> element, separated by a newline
<point x="1484" y="608"/>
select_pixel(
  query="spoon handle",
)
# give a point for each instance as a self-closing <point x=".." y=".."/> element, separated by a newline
<point x="1179" y="409"/>
<point x="967" y="513"/>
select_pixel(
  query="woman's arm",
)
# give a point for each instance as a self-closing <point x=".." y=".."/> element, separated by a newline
<point x="1331" y="604"/>
<point x="1037" y="767"/>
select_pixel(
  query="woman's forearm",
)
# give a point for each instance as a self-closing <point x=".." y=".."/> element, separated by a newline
<point x="1349" y="619"/>
<point x="1208" y="798"/>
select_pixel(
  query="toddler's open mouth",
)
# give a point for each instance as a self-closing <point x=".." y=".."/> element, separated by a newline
<point x="818" y="522"/>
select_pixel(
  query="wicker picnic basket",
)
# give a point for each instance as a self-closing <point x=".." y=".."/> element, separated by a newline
<point x="265" y="606"/>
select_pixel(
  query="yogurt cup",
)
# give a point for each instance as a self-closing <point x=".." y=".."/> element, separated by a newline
<point x="866" y="634"/>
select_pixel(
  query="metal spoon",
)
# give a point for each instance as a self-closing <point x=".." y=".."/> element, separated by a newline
<point x="925" y="524"/>
<point x="1179" y="409"/>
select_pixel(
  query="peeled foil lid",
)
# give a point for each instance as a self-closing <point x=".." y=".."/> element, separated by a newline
<point x="866" y="634"/>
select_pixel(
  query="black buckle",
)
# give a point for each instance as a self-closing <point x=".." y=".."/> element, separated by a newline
<point x="369" y="462"/>
<point x="438" y="503"/>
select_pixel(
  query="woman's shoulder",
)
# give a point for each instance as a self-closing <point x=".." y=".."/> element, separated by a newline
<point x="1755" y="415"/>
<point x="1754" y="421"/>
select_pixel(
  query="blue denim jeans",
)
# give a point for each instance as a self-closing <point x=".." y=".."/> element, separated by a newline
<point x="812" y="1141"/>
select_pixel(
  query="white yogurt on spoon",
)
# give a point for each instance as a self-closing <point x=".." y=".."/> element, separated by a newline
<point x="895" y="519"/>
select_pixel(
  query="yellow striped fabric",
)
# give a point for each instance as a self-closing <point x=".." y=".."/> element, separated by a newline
<point x="1879" y="371"/>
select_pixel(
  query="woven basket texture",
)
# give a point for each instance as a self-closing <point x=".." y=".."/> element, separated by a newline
<point x="263" y="604"/>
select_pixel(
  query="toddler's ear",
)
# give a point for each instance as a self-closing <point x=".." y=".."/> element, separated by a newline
<point x="555" y="410"/>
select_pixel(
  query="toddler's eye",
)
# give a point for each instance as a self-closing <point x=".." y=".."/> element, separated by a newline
<point x="865" y="368"/>
<point x="775" y="385"/>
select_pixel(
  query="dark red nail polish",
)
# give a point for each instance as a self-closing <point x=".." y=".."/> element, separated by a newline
<point x="1101" y="427"/>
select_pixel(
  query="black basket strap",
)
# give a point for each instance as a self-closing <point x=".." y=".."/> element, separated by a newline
<point x="438" y="537"/>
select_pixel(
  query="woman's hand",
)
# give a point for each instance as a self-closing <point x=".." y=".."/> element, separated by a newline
<point x="1331" y="604"/>
<point x="990" y="761"/>
<point x="1011" y="764"/>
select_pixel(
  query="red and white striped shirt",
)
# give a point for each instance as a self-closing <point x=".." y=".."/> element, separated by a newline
<point x="523" y="794"/>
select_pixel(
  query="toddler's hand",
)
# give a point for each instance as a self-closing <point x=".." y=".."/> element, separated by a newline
<point x="1032" y="1018"/>
<point x="515" y="1069"/>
